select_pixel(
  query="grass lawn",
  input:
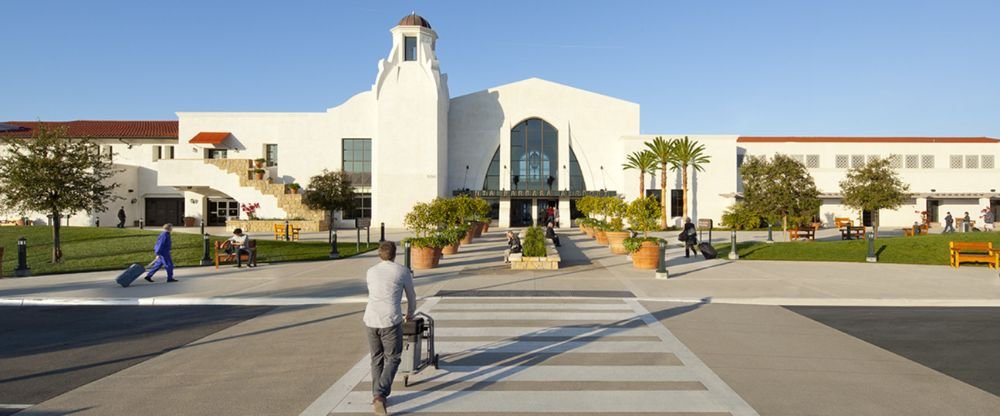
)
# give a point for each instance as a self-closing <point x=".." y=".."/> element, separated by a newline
<point x="924" y="249"/>
<point x="90" y="249"/>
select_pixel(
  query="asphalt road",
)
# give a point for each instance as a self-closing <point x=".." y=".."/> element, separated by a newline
<point x="46" y="351"/>
<point x="961" y="342"/>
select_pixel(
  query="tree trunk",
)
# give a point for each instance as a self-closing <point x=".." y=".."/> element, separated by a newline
<point x="684" y="190"/>
<point x="784" y="223"/>
<point x="56" y="243"/>
<point x="875" y="221"/>
<point x="642" y="184"/>
<point x="663" y="192"/>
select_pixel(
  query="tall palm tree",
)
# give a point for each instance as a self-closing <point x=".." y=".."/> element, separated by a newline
<point x="687" y="153"/>
<point x="663" y="151"/>
<point x="644" y="162"/>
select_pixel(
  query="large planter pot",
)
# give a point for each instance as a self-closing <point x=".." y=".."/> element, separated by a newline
<point x="616" y="239"/>
<point x="647" y="257"/>
<point x="468" y="237"/>
<point x="189" y="221"/>
<point x="588" y="230"/>
<point x="476" y="229"/>
<point x="422" y="258"/>
<point x="451" y="248"/>
<point x="486" y="226"/>
<point x="602" y="237"/>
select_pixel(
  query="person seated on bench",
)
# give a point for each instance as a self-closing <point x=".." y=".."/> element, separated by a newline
<point x="550" y="233"/>
<point x="238" y="244"/>
<point x="513" y="246"/>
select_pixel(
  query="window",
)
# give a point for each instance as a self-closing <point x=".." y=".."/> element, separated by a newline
<point x="871" y="158"/>
<point x="812" y="161"/>
<point x="739" y="160"/>
<point x="170" y="152"/>
<point x="492" y="182"/>
<point x="575" y="174"/>
<point x="927" y="161"/>
<point x="409" y="48"/>
<point x="157" y="153"/>
<point x="108" y="152"/>
<point x="271" y="155"/>
<point x="215" y="153"/>
<point x="362" y="207"/>
<point x="798" y="158"/>
<point x="857" y="161"/>
<point x="534" y="156"/>
<point x="895" y="161"/>
<point x="676" y="202"/>
<point x="357" y="160"/>
<point x="972" y="161"/>
<point x="842" y="162"/>
<point x="955" y="161"/>
<point x="912" y="161"/>
<point x="987" y="162"/>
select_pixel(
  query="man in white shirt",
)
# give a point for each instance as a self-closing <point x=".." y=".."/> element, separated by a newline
<point x="239" y="243"/>
<point x="387" y="281"/>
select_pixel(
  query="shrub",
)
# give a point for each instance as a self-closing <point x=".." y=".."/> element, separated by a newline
<point x="534" y="242"/>
<point x="588" y="205"/>
<point x="632" y="245"/>
<point x="643" y="214"/>
<point x="434" y="241"/>
<point x="481" y="209"/>
<point x="454" y="234"/>
<point x="740" y="217"/>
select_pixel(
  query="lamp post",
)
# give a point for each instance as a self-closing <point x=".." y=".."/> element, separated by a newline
<point x="381" y="232"/>
<point x="733" y="255"/>
<point x="770" y="239"/>
<point x="871" y="248"/>
<point x="661" y="264"/>
<point x="22" y="269"/>
<point x="287" y="238"/>
<point x="205" y="260"/>
<point x="142" y="224"/>
<point x="357" y="245"/>
<point x="334" y="254"/>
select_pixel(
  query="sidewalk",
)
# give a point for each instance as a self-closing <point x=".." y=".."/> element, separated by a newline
<point x="586" y="268"/>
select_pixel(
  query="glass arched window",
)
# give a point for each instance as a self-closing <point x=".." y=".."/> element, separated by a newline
<point x="534" y="156"/>
<point x="492" y="182"/>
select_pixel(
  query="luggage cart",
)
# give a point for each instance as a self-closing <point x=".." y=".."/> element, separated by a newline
<point x="418" y="333"/>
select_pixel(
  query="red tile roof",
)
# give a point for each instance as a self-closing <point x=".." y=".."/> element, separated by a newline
<point x="823" y="139"/>
<point x="100" y="129"/>
<point x="210" y="137"/>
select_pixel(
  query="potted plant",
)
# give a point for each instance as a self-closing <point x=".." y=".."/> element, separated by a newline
<point x="189" y="221"/>
<point x="259" y="163"/>
<point x="613" y="208"/>
<point x="258" y="173"/>
<point x="292" y="188"/>
<point x="586" y="207"/>
<point x="250" y="209"/>
<point x="481" y="212"/>
<point x="424" y="220"/>
<point x="643" y="214"/>
<point x="453" y="236"/>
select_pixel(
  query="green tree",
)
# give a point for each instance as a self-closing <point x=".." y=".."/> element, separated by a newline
<point x="641" y="214"/>
<point x="644" y="162"/>
<point x="663" y="150"/>
<point x="780" y="188"/>
<point x="688" y="153"/>
<point x="874" y="186"/>
<point x="56" y="175"/>
<point x="330" y="191"/>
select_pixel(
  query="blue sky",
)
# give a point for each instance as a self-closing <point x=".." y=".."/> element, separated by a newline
<point x="742" y="67"/>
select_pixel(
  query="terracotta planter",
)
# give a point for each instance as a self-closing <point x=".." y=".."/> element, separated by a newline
<point x="451" y="248"/>
<point x="476" y="229"/>
<point x="602" y="237"/>
<point x="486" y="226"/>
<point x="422" y="258"/>
<point x="468" y="236"/>
<point x="259" y="176"/>
<point x="616" y="239"/>
<point x="189" y="221"/>
<point x="647" y="257"/>
<point x="587" y="230"/>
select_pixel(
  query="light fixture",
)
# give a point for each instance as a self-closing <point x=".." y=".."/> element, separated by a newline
<point x="933" y="190"/>
<point x="194" y="200"/>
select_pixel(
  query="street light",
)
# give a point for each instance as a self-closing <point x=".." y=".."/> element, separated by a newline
<point x="22" y="269"/>
<point x="733" y="255"/>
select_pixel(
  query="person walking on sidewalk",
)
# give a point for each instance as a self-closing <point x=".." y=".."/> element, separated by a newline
<point x="966" y="223"/>
<point x="948" y="224"/>
<point x="988" y="219"/>
<point x="691" y="238"/>
<point x="163" y="258"/>
<point x="387" y="281"/>
<point x="121" y="217"/>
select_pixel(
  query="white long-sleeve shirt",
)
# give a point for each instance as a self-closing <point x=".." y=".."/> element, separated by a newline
<point x="386" y="283"/>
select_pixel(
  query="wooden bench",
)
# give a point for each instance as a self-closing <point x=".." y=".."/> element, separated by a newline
<point x="222" y="257"/>
<point x="279" y="232"/>
<point x="856" y="233"/>
<point x="842" y="222"/>
<point x="973" y="252"/>
<point x="806" y="233"/>
<point x="908" y="232"/>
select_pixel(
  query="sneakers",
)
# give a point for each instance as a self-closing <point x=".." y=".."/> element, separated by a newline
<point x="149" y="279"/>
<point x="171" y="280"/>
<point x="379" y="404"/>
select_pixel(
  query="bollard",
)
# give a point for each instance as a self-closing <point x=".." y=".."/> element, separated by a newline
<point x="733" y="255"/>
<point x="661" y="264"/>
<point x="98" y="223"/>
<point x="22" y="269"/>
<point x="202" y="226"/>
<point x="871" y="248"/>
<point x="334" y="254"/>
<point x="286" y="231"/>
<point x="769" y="239"/>
<point x="916" y="229"/>
<point x="381" y="232"/>
<point x="357" y="245"/>
<point x="368" y="236"/>
<point x="205" y="260"/>
<point x="141" y="223"/>
<point x="848" y="231"/>
<point x="406" y="257"/>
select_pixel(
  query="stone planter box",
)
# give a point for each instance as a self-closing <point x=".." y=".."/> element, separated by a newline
<point x="266" y="226"/>
<point x="549" y="262"/>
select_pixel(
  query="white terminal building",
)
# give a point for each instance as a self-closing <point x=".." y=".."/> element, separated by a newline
<point x="524" y="146"/>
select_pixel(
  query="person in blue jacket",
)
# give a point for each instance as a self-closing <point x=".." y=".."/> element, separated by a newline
<point x="163" y="259"/>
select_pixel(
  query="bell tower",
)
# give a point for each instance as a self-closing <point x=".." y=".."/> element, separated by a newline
<point x="410" y="148"/>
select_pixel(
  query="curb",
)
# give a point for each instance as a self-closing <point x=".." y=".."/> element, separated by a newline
<point x="169" y="301"/>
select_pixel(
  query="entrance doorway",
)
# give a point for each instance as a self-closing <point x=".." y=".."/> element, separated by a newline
<point x="933" y="206"/>
<point x="220" y="210"/>
<point x="160" y="211"/>
<point x="520" y="212"/>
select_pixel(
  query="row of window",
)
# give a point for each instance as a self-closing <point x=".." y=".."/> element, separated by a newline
<point x="895" y="161"/>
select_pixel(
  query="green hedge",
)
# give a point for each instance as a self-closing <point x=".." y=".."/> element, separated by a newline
<point x="534" y="242"/>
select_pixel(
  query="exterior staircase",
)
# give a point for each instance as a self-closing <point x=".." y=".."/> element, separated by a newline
<point x="290" y="203"/>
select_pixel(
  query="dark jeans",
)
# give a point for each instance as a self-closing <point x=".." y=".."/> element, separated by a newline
<point x="386" y="345"/>
<point x="690" y="247"/>
<point x="555" y="240"/>
<point x="251" y="257"/>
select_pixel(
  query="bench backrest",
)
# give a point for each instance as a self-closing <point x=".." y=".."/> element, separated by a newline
<point x="841" y="221"/>
<point x="970" y="246"/>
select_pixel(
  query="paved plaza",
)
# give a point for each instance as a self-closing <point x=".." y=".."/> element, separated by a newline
<point x="597" y="336"/>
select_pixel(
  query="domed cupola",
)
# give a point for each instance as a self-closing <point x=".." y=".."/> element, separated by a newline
<point x="413" y="19"/>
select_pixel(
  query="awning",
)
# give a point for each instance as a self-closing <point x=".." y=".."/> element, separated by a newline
<point x="213" y="138"/>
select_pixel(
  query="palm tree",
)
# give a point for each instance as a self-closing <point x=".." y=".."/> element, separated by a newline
<point x="688" y="153"/>
<point x="644" y="162"/>
<point x="663" y="152"/>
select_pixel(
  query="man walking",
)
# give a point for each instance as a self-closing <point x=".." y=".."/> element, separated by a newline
<point x="387" y="281"/>
<point x="121" y="217"/>
<point x="163" y="258"/>
<point x="988" y="219"/>
<point x="948" y="223"/>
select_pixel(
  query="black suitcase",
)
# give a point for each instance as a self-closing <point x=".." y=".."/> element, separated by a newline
<point x="708" y="251"/>
<point x="130" y="274"/>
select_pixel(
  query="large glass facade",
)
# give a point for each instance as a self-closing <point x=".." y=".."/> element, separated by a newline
<point x="534" y="153"/>
<point x="357" y="159"/>
<point x="492" y="182"/>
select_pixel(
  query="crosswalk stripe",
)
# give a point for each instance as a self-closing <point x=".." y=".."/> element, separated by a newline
<point x="444" y="332"/>
<point x="533" y="307"/>
<point x="570" y="347"/>
<point x="574" y="316"/>
<point x="555" y="373"/>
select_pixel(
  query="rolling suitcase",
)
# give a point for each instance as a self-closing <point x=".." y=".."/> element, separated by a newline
<point x="129" y="275"/>
<point x="708" y="251"/>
